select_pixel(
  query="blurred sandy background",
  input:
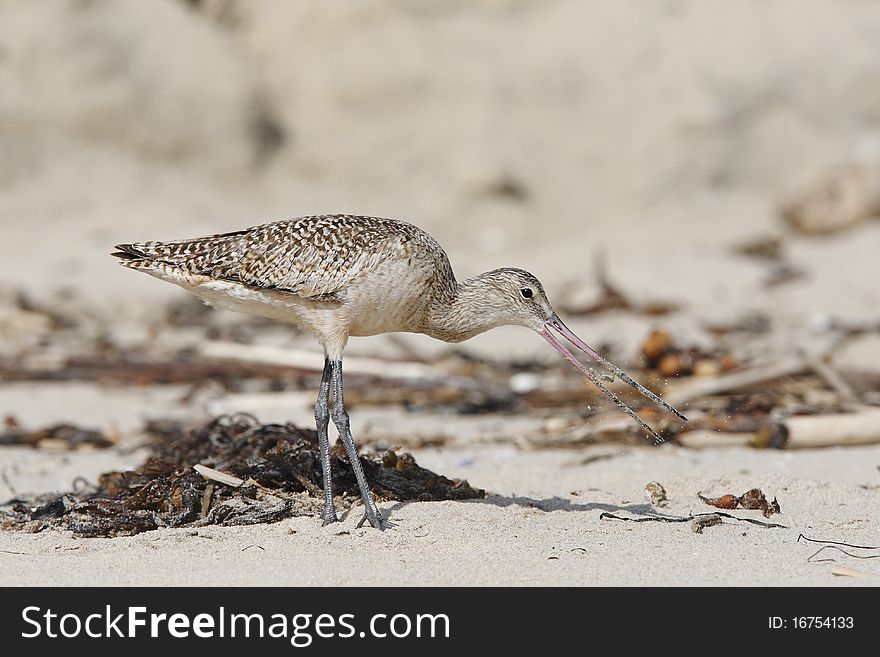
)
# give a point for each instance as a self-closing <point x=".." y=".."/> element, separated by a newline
<point x="517" y="132"/>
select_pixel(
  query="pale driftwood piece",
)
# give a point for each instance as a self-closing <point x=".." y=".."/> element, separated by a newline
<point x="804" y="431"/>
<point x="861" y="428"/>
<point x="215" y="475"/>
<point x="843" y="571"/>
<point x="737" y="380"/>
<point x="700" y="439"/>
<point x="314" y="360"/>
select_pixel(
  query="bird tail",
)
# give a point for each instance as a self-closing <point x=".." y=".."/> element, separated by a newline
<point x="132" y="256"/>
<point x="129" y="252"/>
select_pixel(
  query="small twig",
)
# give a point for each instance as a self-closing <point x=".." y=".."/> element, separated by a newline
<point x="81" y="485"/>
<point x="256" y="546"/>
<point x="812" y="557"/>
<point x="760" y="523"/>
<point x="591" y="459"/>
<point x="216" y="475"/>
<point x="849" y="545"/>
<point x="834" y="545"/>
<point x="206" y="500"/>
<point x="833" y="378"/>
<point x="606" y="514"/>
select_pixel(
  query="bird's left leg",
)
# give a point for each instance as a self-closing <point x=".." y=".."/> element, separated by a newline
<point x="341" y="420"/>
<point x="322" y="419"/>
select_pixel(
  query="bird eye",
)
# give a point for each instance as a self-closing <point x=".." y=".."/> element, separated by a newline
<point x="526" y="292"/>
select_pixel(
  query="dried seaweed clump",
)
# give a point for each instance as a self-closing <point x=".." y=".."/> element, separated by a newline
<point x="279" y="469"/>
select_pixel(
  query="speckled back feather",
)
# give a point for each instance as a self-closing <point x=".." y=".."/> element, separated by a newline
<point x="313" y="257"/>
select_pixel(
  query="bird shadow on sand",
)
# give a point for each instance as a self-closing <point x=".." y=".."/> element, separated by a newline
<point x="387" y="511"/>
<point x="547" y="505"/>
<point x="556" y="503"/>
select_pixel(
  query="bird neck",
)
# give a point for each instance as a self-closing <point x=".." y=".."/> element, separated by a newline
<point x="459" y="313"/>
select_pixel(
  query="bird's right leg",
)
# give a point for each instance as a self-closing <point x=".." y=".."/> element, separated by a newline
<point x="322" y="420"/>
<point x="341" y="420"/>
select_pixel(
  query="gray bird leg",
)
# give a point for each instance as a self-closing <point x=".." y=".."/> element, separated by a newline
<point x="340" y="419"/>
<point x="322" y="420"/>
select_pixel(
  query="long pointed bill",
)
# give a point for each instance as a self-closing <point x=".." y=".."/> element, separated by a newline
<point x="569" y="335"/>
<point x="594" y="378"/>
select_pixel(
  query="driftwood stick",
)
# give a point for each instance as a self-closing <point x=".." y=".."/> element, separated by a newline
<point x="843" y="571"/>
<point x="861" y="428"/>
<point x="804" y="431"/>
<point x="313" y="361"/>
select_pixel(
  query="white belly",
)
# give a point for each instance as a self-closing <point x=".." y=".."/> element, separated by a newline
<point x="388" y="299"/>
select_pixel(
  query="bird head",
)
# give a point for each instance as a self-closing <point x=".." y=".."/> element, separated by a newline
<point x="514" y="297"/>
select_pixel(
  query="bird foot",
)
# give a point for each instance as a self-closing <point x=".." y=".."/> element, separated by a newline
<point x="375" y="518"/>
<point x="328" y="517"/>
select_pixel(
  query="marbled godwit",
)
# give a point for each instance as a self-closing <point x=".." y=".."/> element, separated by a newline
<point x="340" y="275"/>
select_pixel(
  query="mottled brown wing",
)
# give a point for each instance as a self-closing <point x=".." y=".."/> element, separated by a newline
<point x="313" y="257"/>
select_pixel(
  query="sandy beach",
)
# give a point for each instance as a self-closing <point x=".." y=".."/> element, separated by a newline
<point x="543" y="527"/>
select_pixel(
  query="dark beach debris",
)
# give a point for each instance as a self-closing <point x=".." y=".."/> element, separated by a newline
<point x="752" y="323"/>
<point x="849" y="328"/>
<point x="605" y="515"/>
<point x="256" y="473"/>
<point x="664" y="356"/>
<point x="770" y="250"/>
<point x="699" y="523"/>
<point x="65" y="435"/>
<point x="869" y="551"/>
<point x="593" y="458"/>
<point x="753" y="499"/>
<point x="783" y="273"/>
<point x="723" y="502"/>
<point x="764" y="247"/>
<point x="506" y="186"/>
<point x="184" y="368"/>
<point x="731" y="401"/>
<point x="58" y="318"/>
<point x="611" y="298"/>
<point x="655" y="493"/>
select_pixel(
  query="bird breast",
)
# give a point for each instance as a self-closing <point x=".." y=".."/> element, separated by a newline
<point x="393" y="297"/>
